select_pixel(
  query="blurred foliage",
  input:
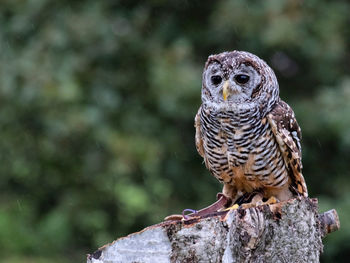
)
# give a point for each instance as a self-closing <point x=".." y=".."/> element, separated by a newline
<point x="97" y="102"/>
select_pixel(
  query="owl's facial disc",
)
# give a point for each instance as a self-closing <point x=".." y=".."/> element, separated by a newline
<point x="237" y="81"/>
<point x="230" y="85"/>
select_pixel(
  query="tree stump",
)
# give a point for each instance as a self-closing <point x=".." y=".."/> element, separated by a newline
<point x="289" y="231"/>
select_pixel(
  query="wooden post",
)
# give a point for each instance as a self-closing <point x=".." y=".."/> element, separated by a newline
<point x="290" y="231"/>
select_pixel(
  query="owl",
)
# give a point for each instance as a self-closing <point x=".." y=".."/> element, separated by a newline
<point x="248" y="137"/>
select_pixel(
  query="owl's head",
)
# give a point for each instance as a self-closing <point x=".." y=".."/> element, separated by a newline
<point x="238" y="80"/>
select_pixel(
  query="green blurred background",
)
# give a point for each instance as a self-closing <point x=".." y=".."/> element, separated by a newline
<point x="97" y="101"/>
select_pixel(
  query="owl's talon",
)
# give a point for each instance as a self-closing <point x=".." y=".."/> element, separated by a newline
<point x="234" y="207"/>
<point x="272" y="200"/>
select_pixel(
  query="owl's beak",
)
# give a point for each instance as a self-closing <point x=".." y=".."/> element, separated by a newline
<point x="225" y="90"/>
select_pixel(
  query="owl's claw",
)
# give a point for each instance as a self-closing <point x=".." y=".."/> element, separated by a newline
<point x="234" y="207"/>
<point x="272" y="200"/>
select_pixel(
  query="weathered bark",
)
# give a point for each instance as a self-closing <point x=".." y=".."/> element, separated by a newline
<point x="285" y="232"/>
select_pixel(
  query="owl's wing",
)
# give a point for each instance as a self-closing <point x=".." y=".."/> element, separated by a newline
<point x="199" y="136"/>
<point x="288" y="135"/>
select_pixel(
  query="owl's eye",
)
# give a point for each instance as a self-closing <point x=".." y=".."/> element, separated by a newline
<point x="216" y="79"/>
<point x="242" y="78"/>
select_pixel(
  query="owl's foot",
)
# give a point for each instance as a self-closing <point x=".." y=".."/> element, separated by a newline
<point x="248" y="197"/>
<point x="258" y="200"/>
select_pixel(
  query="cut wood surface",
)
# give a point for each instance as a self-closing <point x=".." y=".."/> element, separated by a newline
<point x="290" y="231"/>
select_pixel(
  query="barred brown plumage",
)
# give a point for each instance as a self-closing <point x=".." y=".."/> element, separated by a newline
<point x="249" y="138"/>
